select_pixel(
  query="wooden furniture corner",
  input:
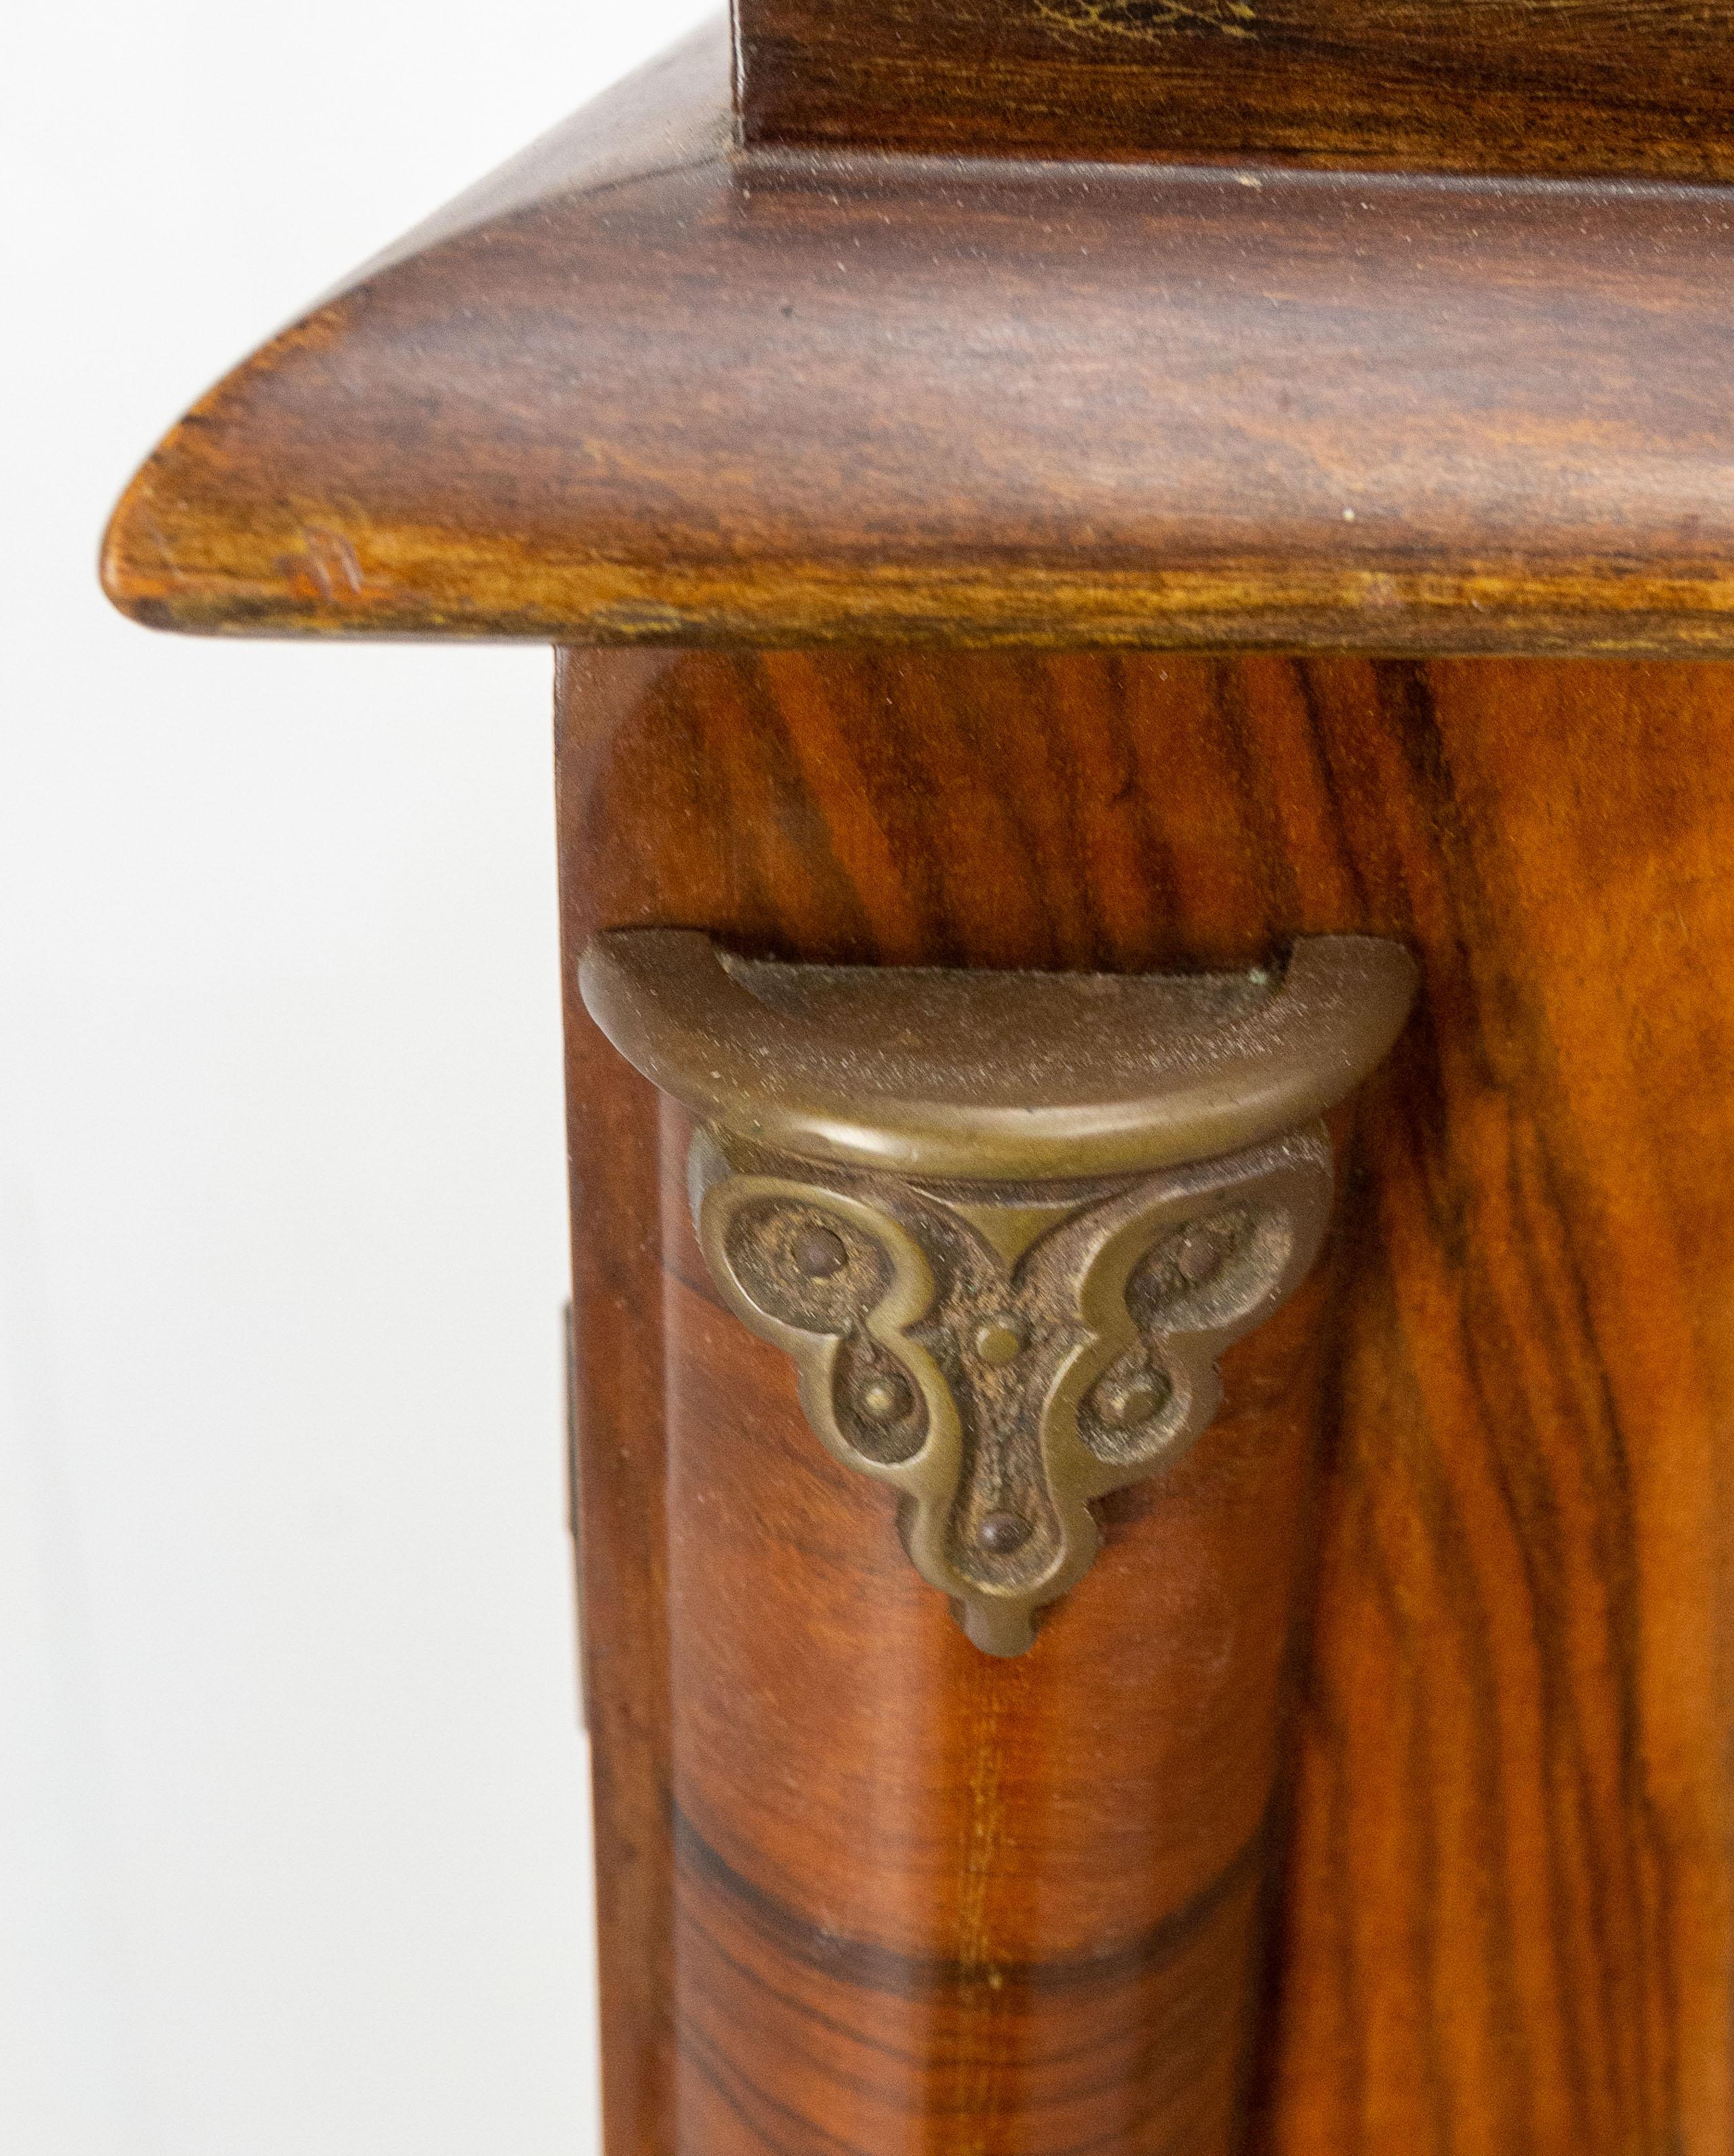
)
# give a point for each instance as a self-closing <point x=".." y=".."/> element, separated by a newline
<point x="1144" y="791"/>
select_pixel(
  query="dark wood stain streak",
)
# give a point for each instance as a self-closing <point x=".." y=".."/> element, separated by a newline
<point x="830" y="2024"/>
<point x="723" y="2073"/>
<point x="1099" y="2050"/>
<point x="868" y="1965"/>
<point x="1279" y="894"/>
<point x="1312" y="741"/>
<point x="1526" y="1494"/>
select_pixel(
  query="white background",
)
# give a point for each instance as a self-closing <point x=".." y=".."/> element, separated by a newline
<point x="293" y="1806"/>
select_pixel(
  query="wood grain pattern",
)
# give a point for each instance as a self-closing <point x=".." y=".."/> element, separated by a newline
<point x="914" y="1891"/>
<point x="1556" y="86"/>
<point x="1374" y="1792"/>
<point x="1507" y="1844"/>
<point x="618" y="1482"/>
<point x="640" y="389"/>
<point x="916" y="1887"/>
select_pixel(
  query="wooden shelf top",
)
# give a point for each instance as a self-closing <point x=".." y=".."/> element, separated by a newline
<point x="647" y="387"/>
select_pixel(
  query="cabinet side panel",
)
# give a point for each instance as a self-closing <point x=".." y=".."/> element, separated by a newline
<point x="1509" y="1904"/>
<point x="1507" y="1915"/>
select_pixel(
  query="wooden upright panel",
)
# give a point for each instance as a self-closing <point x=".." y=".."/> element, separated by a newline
<point x="927" y="1897"/>
<point x="915" y="1896"/>
<point x="909" y="1899"/>
<point x="1578" y="86"/>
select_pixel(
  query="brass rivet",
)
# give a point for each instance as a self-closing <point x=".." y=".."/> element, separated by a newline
<point x="1128" y="1402"/>
<point x="819" y="1253"/>
<point x="999" y="1340"/>
<point x="1002" y="1532"/>
<point x="1199" y="1255"/>
<point x="885" y="1400"/>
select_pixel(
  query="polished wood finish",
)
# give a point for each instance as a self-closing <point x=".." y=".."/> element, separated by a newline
<point x="1502" y="1843"/>
<point x="641" y="390"/>
<point x="912" y="1889"/>
<point x="916" y="1884"/>
<point x="1372" y="1792"/>
<point x="617" y="1475"/>
<point x="1556" y="86"/>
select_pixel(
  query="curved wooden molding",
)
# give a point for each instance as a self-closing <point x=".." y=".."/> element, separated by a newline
<point x="645" y="386"/>
<point x="994" y="1076"/>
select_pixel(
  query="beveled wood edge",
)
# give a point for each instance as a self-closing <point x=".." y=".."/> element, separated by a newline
<point x="233" y="554"/>
<point x="1579" y="612"/>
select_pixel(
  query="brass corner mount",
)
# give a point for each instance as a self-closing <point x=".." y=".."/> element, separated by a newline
<point x="1003" y="1223"/>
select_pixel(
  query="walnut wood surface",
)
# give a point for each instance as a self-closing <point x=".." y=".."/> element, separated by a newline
<point x="925" y="1900"/>
<point x="1373" y="1793"/>
<point x="1575" y="87"/>
<point x="642" y="388"/>
<point x="914" y="1891"/>
<point x="916" y="1887"/>
<point x="619" y="1479"/>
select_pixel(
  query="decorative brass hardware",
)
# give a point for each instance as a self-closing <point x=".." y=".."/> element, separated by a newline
<point x="1002" y="1357"/>
<point x="1003" y="1224"/>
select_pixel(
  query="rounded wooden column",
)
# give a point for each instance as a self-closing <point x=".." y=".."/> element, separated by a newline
<point x="925" y="1898"/>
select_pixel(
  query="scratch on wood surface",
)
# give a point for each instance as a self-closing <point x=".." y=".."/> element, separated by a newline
<point x="332" y="560"/>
